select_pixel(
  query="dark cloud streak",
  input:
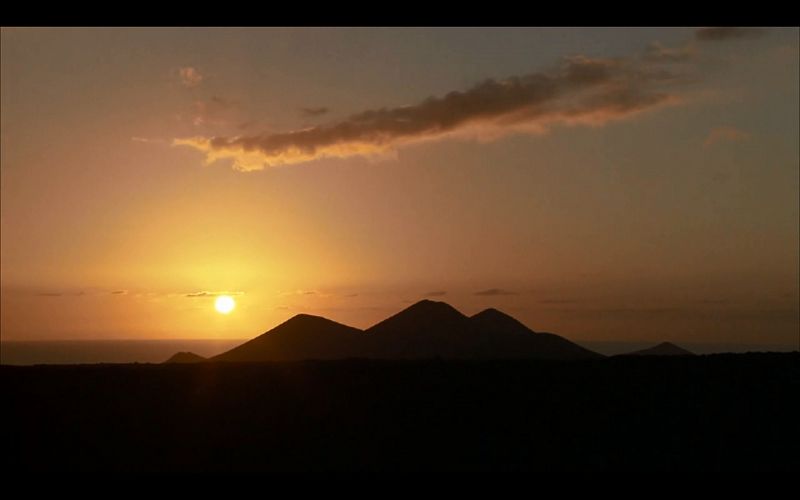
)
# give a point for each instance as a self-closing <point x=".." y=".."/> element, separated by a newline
<point x="658" y="53"/>
<point x="311" y="112"/>
<point x="211" y="294"/>
<point x="579" y="91"/>
<point x="727" y="33"/>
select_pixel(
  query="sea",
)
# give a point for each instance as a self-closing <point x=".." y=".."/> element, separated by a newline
<point x="158" y="351"/>
<point x="70" y="352"/>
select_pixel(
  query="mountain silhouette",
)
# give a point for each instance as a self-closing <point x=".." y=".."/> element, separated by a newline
<point x="662" y="349"/>
<point x="423" y="330"/>
<point x="503" y="336"/>
<point x="426" y="329"/>
<point x="185" y="357"/>
<point x="302" y="337"/>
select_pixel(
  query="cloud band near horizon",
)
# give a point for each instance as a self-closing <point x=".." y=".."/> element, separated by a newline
<point x="579" y="91"/>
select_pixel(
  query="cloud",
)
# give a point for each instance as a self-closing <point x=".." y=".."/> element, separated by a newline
<point x="223" y="102"/>
<point x="314" y="111"/>
<point x="213" y="112"/>
<point x="148" y="141"/>
<point x="725" y="134"/>
<point x="190" y="77"/>
<point x="119" y="292"/>
<point x="578" y="91"/>
<point x="728" y="33"/>
<point x="246" y="125"/>
<point x="436" y="293"/>
<point x="211" y="294"/>
<point x="79" y="293"/>
<point x="493" y="292"/>
<point x="311" y="292"/>
<point x="558" y="301"/>
<point x="658" y="53"/>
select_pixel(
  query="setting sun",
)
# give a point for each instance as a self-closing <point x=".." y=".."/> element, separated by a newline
<point x="224" y="304"/>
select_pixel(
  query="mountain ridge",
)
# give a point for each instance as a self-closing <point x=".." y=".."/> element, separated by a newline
<point x="662" y="349"/>
<point x="185" y="357"/>
<point x="303" y="336"/>
<point x="426" y="329"/>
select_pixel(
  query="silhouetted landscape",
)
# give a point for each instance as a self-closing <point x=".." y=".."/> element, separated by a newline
<point x="426" y="329"/>
<point x="662" y="349"/>
<point x="481" y="393"/>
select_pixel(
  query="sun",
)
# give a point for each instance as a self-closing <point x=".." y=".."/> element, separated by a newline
<point x="224" y="304"/>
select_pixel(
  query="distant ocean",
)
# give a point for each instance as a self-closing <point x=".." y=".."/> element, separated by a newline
<point x="158" y="351"/>
<point x="107" y="351"/>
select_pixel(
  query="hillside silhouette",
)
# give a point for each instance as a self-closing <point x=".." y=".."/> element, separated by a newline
<point x="662" y="349"/>
<point x="426" y="329"/>
<point x="505" y="337"/>
<point x="302" y="337"/>
<point x="185" y="357"/>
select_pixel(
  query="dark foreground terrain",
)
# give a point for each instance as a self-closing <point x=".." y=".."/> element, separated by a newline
<point x="702" y="413"/>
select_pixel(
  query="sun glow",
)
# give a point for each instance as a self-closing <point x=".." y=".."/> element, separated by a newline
<point x="224" y="304"/>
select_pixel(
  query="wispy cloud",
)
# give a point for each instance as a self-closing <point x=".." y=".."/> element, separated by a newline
<point x="578" y="91"/>
<point x="558" y="301"/>
<point x="727" y="33"/>
<point x="656" y="52"/>
<point x="495" y="292"/>
<point x="438" y="293"/>
<point x="725" y="134"/>
<point x="149" y="141"/>
<point x="214" y="111"/>
<point x="314" y="111"/>
<point x="79" y="293"/>
<point x="189" y="76"/>
<point x="211" y="294"/>
<point x="313" y="293"/>
<point x="223" y="102"/>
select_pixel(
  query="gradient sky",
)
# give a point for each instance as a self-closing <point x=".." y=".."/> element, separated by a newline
<point x="603" y="184"/>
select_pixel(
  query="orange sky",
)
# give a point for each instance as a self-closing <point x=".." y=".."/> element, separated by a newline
<point x="603" y="184"/>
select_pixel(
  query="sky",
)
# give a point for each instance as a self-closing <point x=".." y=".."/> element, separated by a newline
<point x="603" y="184"/>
